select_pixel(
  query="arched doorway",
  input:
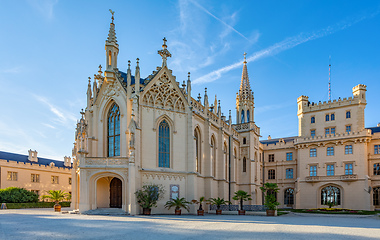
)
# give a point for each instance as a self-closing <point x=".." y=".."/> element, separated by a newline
<point x="115" y="193"/>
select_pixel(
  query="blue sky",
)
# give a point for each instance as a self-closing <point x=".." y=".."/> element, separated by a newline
<point x="51" y="47"/>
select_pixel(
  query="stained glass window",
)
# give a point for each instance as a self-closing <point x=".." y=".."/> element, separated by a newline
<point x="114" y="131"/>
<point x="330" y="194"/>
<point x="164" y="145"/>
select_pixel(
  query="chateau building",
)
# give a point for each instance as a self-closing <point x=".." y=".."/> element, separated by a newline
<point x="136" y="131"/>
<point x="33" y="173"/>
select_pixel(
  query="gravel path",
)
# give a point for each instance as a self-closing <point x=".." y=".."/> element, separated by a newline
<point x="46" y="224"/>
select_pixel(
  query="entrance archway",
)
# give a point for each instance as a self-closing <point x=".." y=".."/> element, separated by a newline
<point x="115" y="193"/>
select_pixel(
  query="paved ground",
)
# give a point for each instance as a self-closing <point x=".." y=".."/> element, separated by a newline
<point x="46" y="224"/>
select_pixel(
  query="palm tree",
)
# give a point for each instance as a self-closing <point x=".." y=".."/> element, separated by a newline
<point x="218" y="202"/>
<point x="56" y="196"/>
<point x="178" y="203"/>
<point x="242" y="196"/>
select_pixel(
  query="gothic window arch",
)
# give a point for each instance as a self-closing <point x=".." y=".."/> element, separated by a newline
<point x="330" y="194"/>
<point x="225" y="161"/>
<point x="244" y="164"/>
<point x="234" y="164"/>
<point x="247" y="115"/>
<point x="376" y="196"/>
<point x="198" y="154"/>
<point x="113" y="131"/>
<point x="164" y="144"/>
<point x="242" y="116"/>
<point x="289" y="196"/>
<point x="213" y="156"/>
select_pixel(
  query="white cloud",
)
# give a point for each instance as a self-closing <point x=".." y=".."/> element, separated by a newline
<point x="44" y="7"/>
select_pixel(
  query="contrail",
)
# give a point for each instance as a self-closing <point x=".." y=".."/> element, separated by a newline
<point x="220" y="20"/>
<point x="287" y="43"/>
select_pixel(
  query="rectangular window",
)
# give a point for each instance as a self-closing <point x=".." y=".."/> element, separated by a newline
<point x="330" y="170"/>
<point x="271" y="157"/>
<point x="272" y="174"/>
<point x="289" y="173"/>
<point x="313" y="152"/>
<point x="69" y="180"/>
<point x="289" y="156"/>
<point x="348" y="169"/>
<point x="12" y="176"/>
<point x="330" y="151"/>
<point x="54" y="179"/>
<point x="35" y="178"/>
<point x="312" y="133"/>
<point x="348" y="128"/>
<point x="348" y="149"/>
<point x="327" y="131"/>
<point x="313" y="171"/>
<point x="332" y="130"/>
<point x="377" y="149"/>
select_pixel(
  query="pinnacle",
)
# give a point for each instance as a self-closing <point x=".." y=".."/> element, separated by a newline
<point x="245" y="87"/>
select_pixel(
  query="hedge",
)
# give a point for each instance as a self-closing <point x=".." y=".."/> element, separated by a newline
<point x="35" y="205"/>
<point x="17" y="195"/>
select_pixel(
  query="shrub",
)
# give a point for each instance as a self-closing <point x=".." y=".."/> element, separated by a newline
<point x="35" y="205"/>
<point x="17" y="195"/>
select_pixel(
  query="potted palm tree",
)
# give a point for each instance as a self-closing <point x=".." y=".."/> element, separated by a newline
<point x="200" y="211"/>
<point x="56" y="196"/>
<point x="242" y="196"/>
<point x="218" y="202"/>
<point x="270" y="201"/>
<point x="178" y="203"/>
<point x="148" y="196"/>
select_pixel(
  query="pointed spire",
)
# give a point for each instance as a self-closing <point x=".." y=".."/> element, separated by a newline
<point x="129" y="79"/>
<point x="205" y="99"/>
<point x="188" y="88"/>
<point x="215" y="104"/>
<point x="112" y="34"/>
<point x="245" y="88"/>
<point x="137" y="77"/>
<point x="164" y="53"/>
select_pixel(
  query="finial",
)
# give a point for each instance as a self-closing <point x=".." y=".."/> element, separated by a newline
<point x="137" y="61"/>
<point x="112" y="12"/>
<point x="205" y="91"/>
<point x="183" y="84"/>
<point x="89" y="80"/>
<point x="129" y="64"/>
<point x="199" y="97"/>
<point x="188" y="76"/>
<point x="164" y="53"/>
<point x="100" y="69"/>
<point x="229" y="113"/>
<point x="164" y="46"/>
<point x="218" y="103"/>
<point x="245" y="57"/>
<point x="82" y="113"/>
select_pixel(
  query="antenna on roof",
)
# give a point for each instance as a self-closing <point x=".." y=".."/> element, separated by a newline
<point x="329" y="78"/>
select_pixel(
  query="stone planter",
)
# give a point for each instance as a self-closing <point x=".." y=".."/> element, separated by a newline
<point x="178" y="212"/>
<point x="147" y="211"/>
<point x="201" y="212"/>
<point x="218" y="211"/>
<point x="241" y="212"/>
<point x="271" y="212"/>
<point x="57" y="207"/>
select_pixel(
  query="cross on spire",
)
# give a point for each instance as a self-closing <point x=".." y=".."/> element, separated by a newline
<point x="164" y="53"/>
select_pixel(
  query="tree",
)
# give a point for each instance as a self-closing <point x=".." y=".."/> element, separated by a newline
<point x="178" y="203"/>
<point x="218" y="202"/>
<point x="242" y="196"/>
<point x="149" y="195"/>
<point x="269" y="190"/>
<point x="56" y="196"/>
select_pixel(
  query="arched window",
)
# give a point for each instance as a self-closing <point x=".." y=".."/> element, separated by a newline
<point x="109" y="58"/>
<point x="197" y="151"/>
<point x="332" y="117"/>
<point x="376" y="169"/>
<point x="376" y="196"/>
<point x="247" y="115"/>
<point x="226" y="161"/>
<point x="330" y="194"/>
<point x="327" y="118"/>
<point x="272" y="174"/>
<point x="113" y="133"/>
<point x="164" y="145"/>
<point x="312" y="120"/>
<point x="289" y="196"/>
<point x="242" y="116"/>
<point x="213" y="155"/>
<point x="244" y="164"/>
<point x="348" y="114"/>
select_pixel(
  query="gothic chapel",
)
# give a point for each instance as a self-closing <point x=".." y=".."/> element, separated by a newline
<point x="136" y="131"/>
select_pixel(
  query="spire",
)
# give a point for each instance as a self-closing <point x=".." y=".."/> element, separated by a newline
<point x="112" y="34"/>
<point x="129" y="79"/>
<point x="137" y="77"/>
<point x="188" y="88"/>
<point x="164" y="53"/>
<point x="244" y="85"/>
<point x="89" y="93"/>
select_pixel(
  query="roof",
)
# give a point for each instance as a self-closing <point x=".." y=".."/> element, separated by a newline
<point x="24" y="158"/>
<point x="276" y="140"/>
<point x="374" y="129"/>
<point x="143" y="81"/>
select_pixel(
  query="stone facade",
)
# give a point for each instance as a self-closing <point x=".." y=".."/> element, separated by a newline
<point x="136" y="131"/>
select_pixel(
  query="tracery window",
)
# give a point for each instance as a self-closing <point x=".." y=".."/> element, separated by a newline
<point x="113" y="131"/>
<point x="376" y="196"/>
<point x="225" y="161"/>
<point x="164" y="145"/>
<point x="247" y="115"/>
<point x="271" y="174"/>
<point x="213" y="154"/>
<point x="244" y="164"/>
<point x="376" y="169"/>
<point x="330" y="194"/>
<point x="289" y="196"/>
<point x="197" y="151"/>
<point x="242" y="116"/>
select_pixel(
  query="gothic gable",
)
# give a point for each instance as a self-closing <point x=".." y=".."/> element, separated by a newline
<point x="163" y="92"/>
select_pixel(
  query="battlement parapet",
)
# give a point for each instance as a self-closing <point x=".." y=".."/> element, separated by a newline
<point x="332" y="137"/>
<point x="33" y="166"/>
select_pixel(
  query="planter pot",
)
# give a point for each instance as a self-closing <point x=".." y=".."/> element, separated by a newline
<point x="241" y="212"/>
<point x="218" y="211"/>
<point x="271" y="212"/>
<point x="178" y="212"/>
<point x="147" y="211"/>
<point x="57" y="208"/>
<point x="201" y="212"/>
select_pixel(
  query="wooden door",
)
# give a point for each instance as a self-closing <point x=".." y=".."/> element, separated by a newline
<point x="115" y="193"/>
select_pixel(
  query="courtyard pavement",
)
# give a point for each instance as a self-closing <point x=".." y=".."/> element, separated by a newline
<point x="45" y="224"/>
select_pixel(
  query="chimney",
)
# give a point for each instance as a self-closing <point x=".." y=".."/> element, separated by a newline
<point x="32" y="156"/>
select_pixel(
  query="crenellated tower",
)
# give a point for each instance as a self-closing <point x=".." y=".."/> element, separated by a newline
<point x="112" y="49"/>
<point x="244" y="98"/>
